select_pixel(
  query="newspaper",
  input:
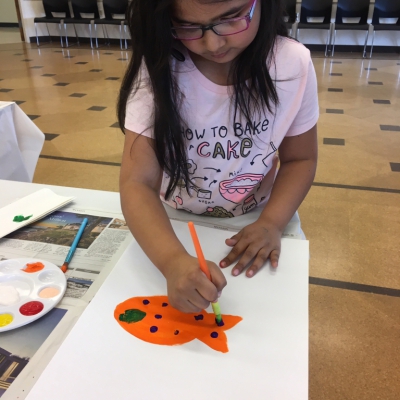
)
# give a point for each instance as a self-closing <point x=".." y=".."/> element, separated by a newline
<point x="25" y="351"/>
<point x="104" y="240"/>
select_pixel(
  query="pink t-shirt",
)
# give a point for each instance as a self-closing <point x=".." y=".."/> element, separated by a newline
<point x="232" y="163"/>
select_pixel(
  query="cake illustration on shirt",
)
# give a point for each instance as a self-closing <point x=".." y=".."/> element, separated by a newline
<point x="218" y="212"/>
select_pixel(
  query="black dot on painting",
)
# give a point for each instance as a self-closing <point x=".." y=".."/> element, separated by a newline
<point x="164" y="304"/>
<point x="153" y="329"/>
<point x="176" y="332"/>
<point x="158" y="316"/>
<point x="145" y="302"/>
<point x="214" y="335"/>
<point x="198" y="317"/>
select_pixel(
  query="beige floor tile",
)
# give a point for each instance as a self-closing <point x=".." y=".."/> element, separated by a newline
<point x="354" y="345"/>
<point x="77" y="174"/>
<point x="353" y="235"/>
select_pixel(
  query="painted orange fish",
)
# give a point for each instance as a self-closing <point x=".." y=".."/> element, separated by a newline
<point x="153" y="320"/>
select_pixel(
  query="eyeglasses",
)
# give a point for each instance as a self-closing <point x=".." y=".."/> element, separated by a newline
<point x="225" y="28"/>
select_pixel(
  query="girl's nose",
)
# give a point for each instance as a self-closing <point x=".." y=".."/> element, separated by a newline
<point x="212" y="42"/>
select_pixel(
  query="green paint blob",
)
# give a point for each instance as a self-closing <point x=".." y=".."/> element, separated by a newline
<point x="20" y="218"/>
<point x="132" y="315"/>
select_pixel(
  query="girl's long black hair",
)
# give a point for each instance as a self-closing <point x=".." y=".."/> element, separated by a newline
<point x="152" y="42"/>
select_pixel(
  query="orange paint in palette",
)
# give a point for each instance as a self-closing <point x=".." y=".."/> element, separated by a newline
<point x="33" y="267"/>
<point x="153" y="320"/>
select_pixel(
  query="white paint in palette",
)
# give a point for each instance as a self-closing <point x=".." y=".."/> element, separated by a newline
<point x="8" y="295"/>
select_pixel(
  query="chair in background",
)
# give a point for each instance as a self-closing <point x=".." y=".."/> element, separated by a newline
<point x="291" y="17"/>
<point x="352" y="9"/>
<point x="50" y="7"/>
<point x="79" y="8"/>
<point x="316" y="9"/>
<point x="385" y="9"/>
<point x="112" y="9"/>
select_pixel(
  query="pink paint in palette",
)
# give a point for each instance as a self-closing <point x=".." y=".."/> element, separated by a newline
<point x="29" y="288"/>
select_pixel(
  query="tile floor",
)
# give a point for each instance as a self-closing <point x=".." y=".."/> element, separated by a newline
<point x="351" y="215"/>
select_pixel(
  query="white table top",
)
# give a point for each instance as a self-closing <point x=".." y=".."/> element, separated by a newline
<point x="268" y="350"/>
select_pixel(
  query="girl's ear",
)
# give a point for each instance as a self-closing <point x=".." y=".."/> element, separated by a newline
<point x="177" y="55"/>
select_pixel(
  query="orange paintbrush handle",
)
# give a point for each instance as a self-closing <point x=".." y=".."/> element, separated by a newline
<point x="199" y="252"/>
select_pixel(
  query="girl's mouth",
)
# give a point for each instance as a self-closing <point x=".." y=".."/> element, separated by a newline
<point x="219" y="55"/>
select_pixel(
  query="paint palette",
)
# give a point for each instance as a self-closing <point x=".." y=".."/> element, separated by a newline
<point x="29" y="288"/>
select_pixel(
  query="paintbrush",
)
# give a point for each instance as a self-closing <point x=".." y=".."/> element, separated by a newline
<point x="74" y="244"/>
<point x="204" y="268"/>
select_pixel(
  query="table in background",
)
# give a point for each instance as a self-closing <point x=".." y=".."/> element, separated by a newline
<point x="21" y="142"/>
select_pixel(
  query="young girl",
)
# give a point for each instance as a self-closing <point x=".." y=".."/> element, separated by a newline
<point x="213" y="90"/>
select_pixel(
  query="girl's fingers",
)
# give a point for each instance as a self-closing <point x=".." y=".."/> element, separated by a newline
<point x="259" y="261"/>
<point x="274" y="257"/>
<point x="191" y="308"/>
<point x="233" y="255"/>
<point x="247" y="256"/>
<point x="218" y="279"/>
<point x="198" y="301"/>
<point x="233" y="240"/>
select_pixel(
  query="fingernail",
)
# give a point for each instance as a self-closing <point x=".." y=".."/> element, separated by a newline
<point x="235" y="272"/>
<point x="222" y="264"/>
<point x="250" y="273"/>
<point x="219" y="294"/>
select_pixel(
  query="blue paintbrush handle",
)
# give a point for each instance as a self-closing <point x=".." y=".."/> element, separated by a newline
<point x="76" y="240"/>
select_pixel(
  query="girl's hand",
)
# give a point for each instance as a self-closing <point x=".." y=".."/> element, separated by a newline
<point x="258" y="241"/>
<point x="189" y="290"/>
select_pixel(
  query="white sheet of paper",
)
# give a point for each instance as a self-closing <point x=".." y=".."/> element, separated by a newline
<point x="38" y="204"/>
<point x="268" y="349"/>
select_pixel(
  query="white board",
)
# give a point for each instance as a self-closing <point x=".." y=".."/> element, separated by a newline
<point x="268" y="349"/>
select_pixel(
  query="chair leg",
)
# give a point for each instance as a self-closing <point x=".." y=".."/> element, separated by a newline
<point x="90" y="35"/>
<point x="61" y="34"/>
<point x="105" y="34"/>
<point x="120" y="36"/>
<point x="333" y="44"/>
<point x="48" y="32"/>
<point x="66" y="35"/>
<point x="372" y="44"/>
<point x="126" y="43"/>
<point x="76" y="34"/>
<point x="365" y="44"/>
<point x="37" y="38"/>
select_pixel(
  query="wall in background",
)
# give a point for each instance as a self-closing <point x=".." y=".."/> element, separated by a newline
<point x="8" y="13"/>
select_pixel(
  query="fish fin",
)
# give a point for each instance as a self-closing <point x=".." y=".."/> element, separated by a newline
<point x="219" y="343"/>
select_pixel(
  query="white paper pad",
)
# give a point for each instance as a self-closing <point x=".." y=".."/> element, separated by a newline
<point x="268" y="349"/>
<point x="38" y="204"/>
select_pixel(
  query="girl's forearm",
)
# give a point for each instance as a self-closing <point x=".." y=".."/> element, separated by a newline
<point x="291" y="186"/>
<point x="150" y="225"/>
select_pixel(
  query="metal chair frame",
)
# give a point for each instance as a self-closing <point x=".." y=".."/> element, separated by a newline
<point x="394" y="7"/>
<point x="317" y="8"/>
<point x="114" y="7"/>
<point x="339" y="4"/>
<point x="49" y="8"/>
